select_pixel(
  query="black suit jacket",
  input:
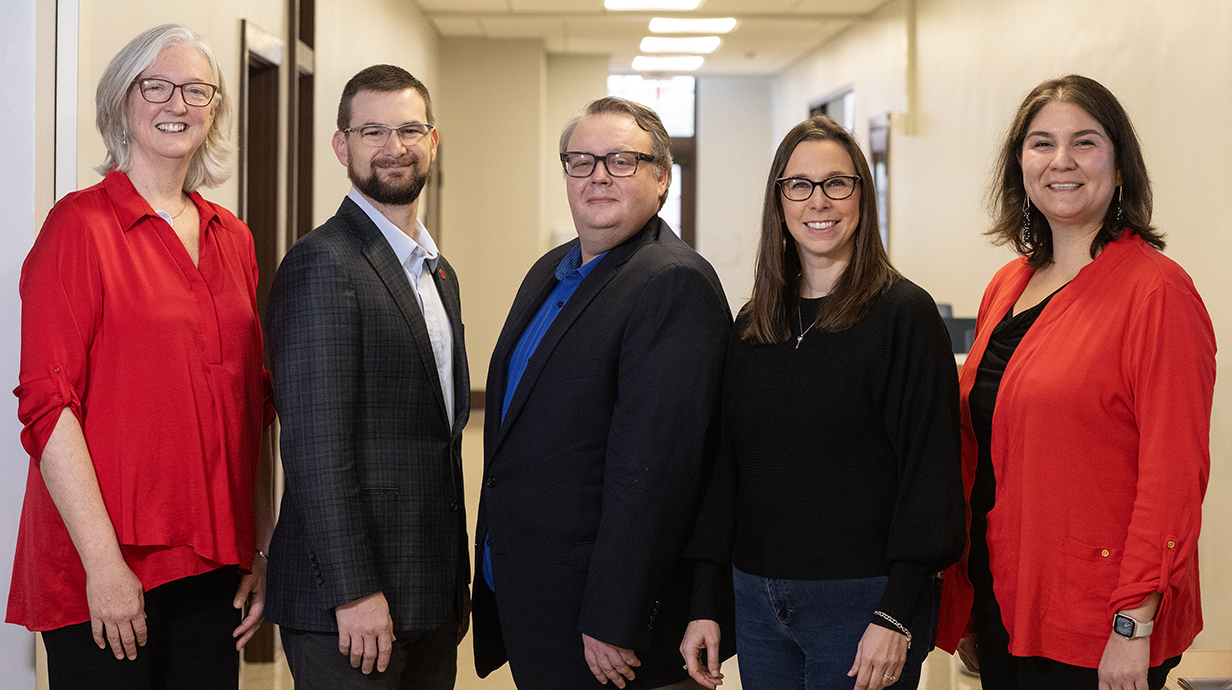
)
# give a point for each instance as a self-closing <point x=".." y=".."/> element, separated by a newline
<point x="373" y="496"/>
<point x="591" y="483"/>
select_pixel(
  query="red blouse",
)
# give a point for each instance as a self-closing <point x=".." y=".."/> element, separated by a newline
<point x="1100" y="447"/>
<point x="161" y="361"/>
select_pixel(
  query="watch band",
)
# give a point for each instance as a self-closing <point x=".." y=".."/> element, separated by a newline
<point x="1130" y="627"/>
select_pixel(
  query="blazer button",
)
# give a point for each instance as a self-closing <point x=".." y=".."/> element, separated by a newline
<point x="491" y="481"/>
<point x="453" y="507"/>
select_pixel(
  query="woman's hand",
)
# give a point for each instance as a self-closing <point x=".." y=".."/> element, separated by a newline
<point x="1124" y="664"/>
<point x="117" y="609"/>
<point x="251" y="592"/>
<point x="702" y="636"/>
<point x="879" y="658"/>
<point x="968" y="651"/>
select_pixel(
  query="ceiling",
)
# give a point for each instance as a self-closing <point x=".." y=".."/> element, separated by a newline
<point x="770" y="36"/>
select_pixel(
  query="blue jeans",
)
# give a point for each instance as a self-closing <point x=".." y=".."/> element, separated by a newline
<point x="803" y="634"/>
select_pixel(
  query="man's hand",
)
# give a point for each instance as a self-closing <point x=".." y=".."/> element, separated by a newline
<point x="251" y="592"/>
<point x="1125" y="663"/>
<point x="879" y="658"/>
<point x="702" y="636"/>
<point x="117" y="610"/>
<point x="609" y="662"/>
<point x="366" y="632"/>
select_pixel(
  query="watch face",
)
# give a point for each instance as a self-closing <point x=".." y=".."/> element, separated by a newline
<point x="1123" y="625"/>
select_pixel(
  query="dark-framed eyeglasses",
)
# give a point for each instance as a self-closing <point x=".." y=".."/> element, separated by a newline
<point x="377" y="135"/>
<point x="617" y="163"/>
<point x="837" y="188"/>
<point x="195" y="93"/>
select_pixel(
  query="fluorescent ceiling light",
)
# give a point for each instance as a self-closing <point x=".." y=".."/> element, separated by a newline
<point x="693" y="44"/>
<point x="652" y="5"/>
<point x="667" y="63"/>
<point x="666" y="25"/>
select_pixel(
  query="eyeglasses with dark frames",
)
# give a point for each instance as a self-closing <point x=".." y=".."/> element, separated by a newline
<point x="195" y="93"/>
<point x="617" y="163"/>
<point x="838" y="187"/>
<point x="376" y="136"/>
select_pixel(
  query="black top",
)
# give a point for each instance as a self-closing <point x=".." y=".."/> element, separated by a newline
<point x="1002" y="344"/>
<point x="840" y="458"/>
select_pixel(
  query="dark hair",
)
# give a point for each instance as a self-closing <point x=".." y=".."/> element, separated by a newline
<point x="1007" y="196"/>
<point x="647" y="119"/>
<point x="382" y="79"/>
<point x="776" y="281"/>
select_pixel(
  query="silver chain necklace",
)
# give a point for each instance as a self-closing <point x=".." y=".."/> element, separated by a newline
<point x="803" y="331"/>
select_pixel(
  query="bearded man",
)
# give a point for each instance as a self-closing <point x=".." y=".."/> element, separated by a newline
<point x="368" y="569"/>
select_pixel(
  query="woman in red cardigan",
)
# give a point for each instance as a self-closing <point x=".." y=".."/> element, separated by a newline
<point x="1086" y="405"/>
<point x="143" y="397"/>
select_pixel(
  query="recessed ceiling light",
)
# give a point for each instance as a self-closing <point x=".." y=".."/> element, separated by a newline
<point x="652" y="5"/>
<point x="667" y="63"/>
<point x="667" y="25"/>
<point x="691" y="44"/>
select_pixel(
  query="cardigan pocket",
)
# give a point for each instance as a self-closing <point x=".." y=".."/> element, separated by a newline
<point x="1078" y="601"/>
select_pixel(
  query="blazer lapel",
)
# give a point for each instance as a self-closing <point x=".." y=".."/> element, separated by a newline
<point x="607" y="269"/>
<point x="383" y="260"/>
<point x="447" y="286"/>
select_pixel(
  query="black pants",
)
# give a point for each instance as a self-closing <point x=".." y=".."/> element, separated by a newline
<point x="188" y="646"/>
<point x="420" y="661"/>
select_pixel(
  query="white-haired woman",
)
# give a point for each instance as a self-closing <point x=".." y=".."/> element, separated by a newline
<point x="143" y="396"/>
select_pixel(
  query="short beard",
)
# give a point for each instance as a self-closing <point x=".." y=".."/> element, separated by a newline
<point x="377" y="190"/>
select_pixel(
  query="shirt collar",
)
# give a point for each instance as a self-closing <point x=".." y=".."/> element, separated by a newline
<point x="131" y="208"/>
<point x="573" y="262"/>
<point x="418" y="253"/>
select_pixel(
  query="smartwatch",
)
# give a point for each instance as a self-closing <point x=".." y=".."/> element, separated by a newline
<point x="1131" y="628"/>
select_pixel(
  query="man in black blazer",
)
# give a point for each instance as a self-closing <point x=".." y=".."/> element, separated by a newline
<point x="601" y="411"/>
<point x="369" y="562"/>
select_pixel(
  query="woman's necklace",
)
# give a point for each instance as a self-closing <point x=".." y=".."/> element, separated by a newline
<point x="177" y="215"/>
<point x="803" y="331"/>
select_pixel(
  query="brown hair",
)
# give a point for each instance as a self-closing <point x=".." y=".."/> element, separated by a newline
<point x="776" y="281"/>
<point x="381" y="79"/>
<point x="1007" y="196"/>
<point x="646" y="118"/>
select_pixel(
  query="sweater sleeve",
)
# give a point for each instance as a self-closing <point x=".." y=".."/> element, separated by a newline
<point x="1171" y="369"/>
<point x="921" y="417"/>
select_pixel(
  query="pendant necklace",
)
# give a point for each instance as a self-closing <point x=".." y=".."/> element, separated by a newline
<point x="803" y="331"/>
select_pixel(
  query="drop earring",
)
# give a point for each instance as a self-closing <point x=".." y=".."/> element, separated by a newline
<point x="1120" y="214"/>
<point x="1026" y="222"/>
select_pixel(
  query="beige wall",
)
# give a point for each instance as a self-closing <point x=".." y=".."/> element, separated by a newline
<point x="1170" y="65"/>
<point x="351" y="36"/>
<point x="492" y="103"/>
<point x="735" y="145"/>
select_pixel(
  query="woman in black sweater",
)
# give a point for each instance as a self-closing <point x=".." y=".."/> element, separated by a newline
<point x="837" y="496"/>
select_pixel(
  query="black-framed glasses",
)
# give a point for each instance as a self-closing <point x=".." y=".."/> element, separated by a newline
<point x="377" y="135"/>
<point x="617" y="163"/>
<point x="837" y="188"/>
<point x="195" y="93"/>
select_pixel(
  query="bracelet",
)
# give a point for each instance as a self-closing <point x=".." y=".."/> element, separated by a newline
<point x="901" y="628"/>
<point x="262" y="554"/>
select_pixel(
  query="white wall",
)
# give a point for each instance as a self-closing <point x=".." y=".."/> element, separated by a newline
<point x="735" y="146"/>
<point x="17" y="194"/>
<point x="1170" y="65"/>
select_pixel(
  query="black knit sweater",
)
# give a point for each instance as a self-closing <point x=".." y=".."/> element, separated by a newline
<point x="839" y="459"/>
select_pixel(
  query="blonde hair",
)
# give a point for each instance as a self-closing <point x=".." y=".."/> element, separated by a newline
<point x="208" y="167"/>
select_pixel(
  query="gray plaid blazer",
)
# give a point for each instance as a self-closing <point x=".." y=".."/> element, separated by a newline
<point x="373" y="498"/>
